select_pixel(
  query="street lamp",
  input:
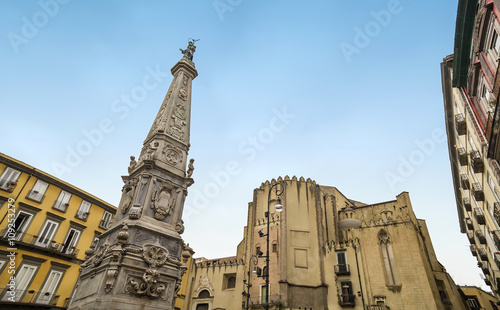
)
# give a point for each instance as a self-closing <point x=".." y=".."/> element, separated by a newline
<point x="278" y="189"/>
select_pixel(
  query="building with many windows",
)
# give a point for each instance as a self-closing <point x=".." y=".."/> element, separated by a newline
<point x="470" y="88"/>
<point x="46" y="225"/>
<point x="326" y="251"/>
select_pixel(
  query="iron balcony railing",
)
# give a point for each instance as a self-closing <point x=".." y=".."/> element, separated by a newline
<point x="462" y="156"/>
<point x="36" y="298"/>
<point x="60" y="205"/>
<point x="467" y="205"/>
<point x="342" y="269"/>
<point x="464" y="181"/>
<point x="480" y="237"/>
<point x="477" y="191"/>
<point x="496" y="212"/>
<point x="473" y="249"/>
<point x="35" y="196"/>
<point x="460" y="124"/>
<point x="33" y="241"/>
<point x="479" y="215"/>
<point x="482" y="253"/>
<point x="347" y="300"/>
<point x="377" y="307"/>
<point x="476" y="162"/>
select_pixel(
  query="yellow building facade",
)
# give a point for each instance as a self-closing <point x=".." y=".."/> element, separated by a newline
<point x="46" y="225"/>
<point x="326" y="251"/>
<point x="477" y="299"/>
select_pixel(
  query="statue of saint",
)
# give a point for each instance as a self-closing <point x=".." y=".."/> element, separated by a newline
<point x="190" y="49"/>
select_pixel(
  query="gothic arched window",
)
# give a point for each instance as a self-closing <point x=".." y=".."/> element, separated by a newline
<point x="389" y="263"/>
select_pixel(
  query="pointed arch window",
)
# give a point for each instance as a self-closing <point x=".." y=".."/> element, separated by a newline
<point x="389" y="263"/>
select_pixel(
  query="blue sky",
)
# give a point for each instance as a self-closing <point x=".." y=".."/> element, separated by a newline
<point x="360" y="84"/>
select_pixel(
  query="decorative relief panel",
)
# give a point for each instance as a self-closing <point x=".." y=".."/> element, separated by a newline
<point x="163" y="201"/>
<point x="176" y="128"/>
<point x="128" y="192"/>
<point x="172" y="154"/>
<point x="149" y="285"/>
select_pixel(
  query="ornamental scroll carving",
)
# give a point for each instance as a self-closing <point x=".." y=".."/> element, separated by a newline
<point x="149" y="285"/>
<point x="96" y="259"/>
<point x="163" y="201"/>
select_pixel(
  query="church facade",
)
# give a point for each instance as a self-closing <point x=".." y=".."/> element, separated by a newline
<point x="326" y="251"/>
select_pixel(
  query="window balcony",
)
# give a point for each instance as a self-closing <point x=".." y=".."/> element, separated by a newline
<point x="35" y="196"/>
<point x="30" y="241"/>
<point x="473" y="249"/>
<point x="484" y="267"/>
<point x="487" y="280"/>
<point x="462" y="156"/>
<point x="480" y="237"/>
<point x="467" y="205"/>
<point x="347" y="300"/>
<point x="497" y="259"/>
<point x="7" y="185"/>
<point x="377" y="307"/>
<point x="496" y="212"/>
<point x="482" y="253"/>
<point x="469" y="224"/>
<point x="470" y="236"/>
<point x="496" y="238"/>
<point x="460" y="124"/>
<point x="477" y="191"/>
<point x="476" y="162"/>
<point x="82" y="216"/>
<point x="464" y="181"/>
<point x="32" y="299"/>
<point x="60" y="205"/>
<point x="342" y="269"/>
<point x="479" y="215"/>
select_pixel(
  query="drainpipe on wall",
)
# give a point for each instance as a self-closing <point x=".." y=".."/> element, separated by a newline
<point x="359" y="276"/>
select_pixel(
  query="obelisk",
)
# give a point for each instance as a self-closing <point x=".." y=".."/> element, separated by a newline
<point x="136" y="264"/>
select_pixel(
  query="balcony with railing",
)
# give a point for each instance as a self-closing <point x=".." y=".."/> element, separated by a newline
<point x="473" y="249"/>
<point x="477" y="192"/>
<point x="496" y="212"/>
<point x="33" y="242"/>
<point x="480" y="237"/>
<point x="260" y="302"/>
<point x="60" y="205"/>
<point x="342" y="269"/>
<point x="377" y="307"/>
<point x="7" y="185"/>
<point x="470" y="236"/>
<point x="36" y="196"/>
<point x="462" y="156"/>
<point x="467" y="205"/>
<point x="487" y="280"/>
<point x="347" y="300"/>
<point x="484" y="267"/>
<point x="464" y="182"/>
<point x="460" y="124"/>
<point x="476" y="162"/>
<point x="479" y="215"/>
<point x="31" y="299"/>
<point x="468" y="223"/>
<point x="482" y="253"/>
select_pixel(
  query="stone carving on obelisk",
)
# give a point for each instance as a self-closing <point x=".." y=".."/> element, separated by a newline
<point x="136" y="264"/>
